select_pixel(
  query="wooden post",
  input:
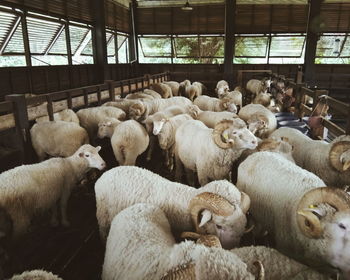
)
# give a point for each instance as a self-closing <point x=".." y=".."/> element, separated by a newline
<point x="133" y="53"/>
<point x="311" y="41"/>
<point x="230" y="9"/>
<point x="111" y="90"/>
<point x="22" y="124"/>
<point x="50" y="107"/>
<point x="347" y="129"/>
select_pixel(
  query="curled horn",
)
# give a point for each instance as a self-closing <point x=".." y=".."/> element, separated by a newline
<point x="245" y="202"/>
<point x="186" y="271"/>
<point x="335" y="153"/>
<point x="209" y="240"/>
<point x="309" y="223"/>
<point x="219" y="128"/>
<point x="211" y="201"/>
<point x="190" y="235"/>
<point x="261" y="270"/>
<point x="139" y="106"/>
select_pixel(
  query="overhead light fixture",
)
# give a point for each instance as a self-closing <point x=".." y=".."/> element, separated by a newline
<point x="336" y="47"/>
<point x="187" y="7"/>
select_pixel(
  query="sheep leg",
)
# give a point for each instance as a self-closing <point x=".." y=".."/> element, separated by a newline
<point x="190" y="177"/>
<point x="63" y="206"/>
<point x="171" y="153"/>
<point x="119" y="154"/>
<point x="152" y="142"/>
<point x="130" y="158"/>
<point x="178" y="171"/>
<point x="202" y="177"/>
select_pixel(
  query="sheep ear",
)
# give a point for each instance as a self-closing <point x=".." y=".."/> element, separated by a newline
<point x="108" y="123"/>
<point x="98" y="148"/>
<point x="206" y="217"/>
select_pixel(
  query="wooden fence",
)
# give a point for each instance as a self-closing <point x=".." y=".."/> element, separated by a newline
<point x="17" y="111"/>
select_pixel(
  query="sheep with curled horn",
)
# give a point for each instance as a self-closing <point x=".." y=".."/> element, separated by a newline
<point x="207" y="103"/>
<point x="215" y="150"/>
<point x="261" y="121"/>
<point x="305" y="219"/>
<point x="217" y="208"/>
<point x="143" y="236"/>
<point x="329" y="161"/>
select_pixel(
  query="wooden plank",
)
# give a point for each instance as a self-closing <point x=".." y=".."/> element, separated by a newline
<point x="338" y="106"/>
<point x="332" y="127"/>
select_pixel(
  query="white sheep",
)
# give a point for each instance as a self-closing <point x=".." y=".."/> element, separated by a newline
<point x="140" y="245"/>
<point x="152" y="93"/>
<point x="182" y="87"/>
<point x="256" y="86"/>
<point x="305" y="219"/>
<point x="261" y="121"/>
<point x="207" y="103"/>
<point x="174" y="87"/>
<point x="329" y="161"/>
<point x="57" y="138"/>
<point x="141" y="110"/>
<point x="37" y="274"/>
<point x="210" y="118"/>
<point x="222" y="87"/>
<point x="262" y="98"/>
<point x="91" y="117"/>
<point x="211" y="152"/>
<point x="202" y="88"/>
<point x="155" y="122"/>
<point x="217" y="208"/>
<point x="67" y="115"/>
<point x="235" y="96"/>
<point x="139" y="95"/>
<point x="166" y="136"/>
<point x="30" y="189"/>
<point x="123" y="104"/>
<point x="129" y="139"/>
<point x="163" y="89"/>
<point x="192" y="91"/>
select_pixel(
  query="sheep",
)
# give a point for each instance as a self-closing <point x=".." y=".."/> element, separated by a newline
<point x="261" y="121"/>
<point x="36" y="275"/>
<point x="192" y="91"/>
<point x="262" y="98"/>
<point x="67" y="115"/>
<point x="123" y="104"/>
<point x="202" y="88"/>
<point x="156" y="121"/>
<point x="182" y="87"/>
<point x="174" y="87"/>
<point x="207" y="103"/>
<point x="124" y="186"/>
<point x="256" y="86"/>
<point x="235" y="96"/>
<point x="305" y="219"/>
<point x="222" y="87"/>
<point x="209" y="118"/>
<point x="139" y="95"/>
<point x="141" y="234"/>
<point x="141" y="110"/>
<point x="213" y="151"/>
<point x="163" y="89"/>
<point x="152" y="93"/>
<point x="329" y="161"/>
<point x="30" y="189"/>
<point x="57" y="138"/>
<point x="129" y="139"/>
<point x="166" y="136"/>
<point x="90" y="118"/>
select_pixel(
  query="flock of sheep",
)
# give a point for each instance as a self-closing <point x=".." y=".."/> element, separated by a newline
<point x="289" y="187"/>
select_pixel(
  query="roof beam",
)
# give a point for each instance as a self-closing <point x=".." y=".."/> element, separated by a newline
<point x="10" y="34"/>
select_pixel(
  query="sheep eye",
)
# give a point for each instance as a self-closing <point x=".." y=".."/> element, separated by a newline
<point x="87" y="155"/>
<point x="342" y="226"/>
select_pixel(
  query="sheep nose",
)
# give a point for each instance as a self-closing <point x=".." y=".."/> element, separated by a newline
<point x="254" y="142"/>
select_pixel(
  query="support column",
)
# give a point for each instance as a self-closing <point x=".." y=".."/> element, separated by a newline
<point x="311" y="42"/>
<point x="133" y="46"/>
<point x="230" y="8"/>
<point x="99" y="39"/>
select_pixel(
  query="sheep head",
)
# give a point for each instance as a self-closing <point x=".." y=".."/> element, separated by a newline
<point x="277" y="145"/>
<point x="213" y="214"/>
<point x="137" y="110"/>
<point x="233" y="134"/>
<point x="194" y="111"/>
<point x="227" y="104"/>
<point x="91" y="156"/>
<point x="258" y="124"/>
<point x="106" y="128"/>
<point x="339" y="154"/>
<point x="324" y="214"/>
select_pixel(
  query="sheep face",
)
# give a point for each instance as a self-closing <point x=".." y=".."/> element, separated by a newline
<point x="157" y="126"/>
<point x="90" y="154"/>
<point x="222" y="91"/>
<point x="105" y="129"/>
<point x="165" y="138"/>
<point x="229" y="105"/>
<point x="229" y="229"/>
<point x="338" y="232"/>
<point x="241" y="137"/>
<point x="136" y="111"/>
